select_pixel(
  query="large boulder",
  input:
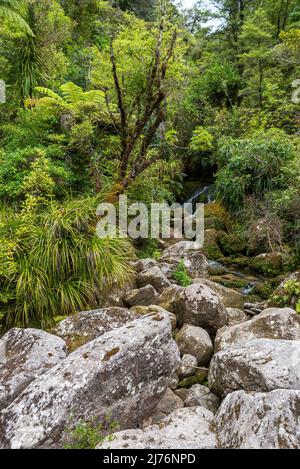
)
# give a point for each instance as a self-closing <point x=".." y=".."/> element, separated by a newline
<point x="273" y="323"/>
<point x="229" y="297"/>
<point x="193" y="340"/>
<point x="154" y="277"/>
<point x="26" y="354"/>
<point x="144" y="310"/>
<point x="188" y="428"/>
<point x="123" y="373"/>
<point x="145" y="296"/>
<point x="259" y="365"/>
<point x="83" y="327"/>
<point x="188" y="252"/>
<point x="199" y="395"/>
<point x="260" y="421"/>
<point x="200" y="306"/>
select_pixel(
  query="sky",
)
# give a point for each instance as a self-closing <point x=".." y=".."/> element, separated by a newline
<point x="187" y="3"/>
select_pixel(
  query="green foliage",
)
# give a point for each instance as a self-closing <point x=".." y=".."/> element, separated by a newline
<point x="201" y="140"/>
<point x="290" y="297"/>
<point x="61" y="264"/>
<point x="252" y="166"/>
<point x="182" y="276"/>
<point x="88" y="435"/>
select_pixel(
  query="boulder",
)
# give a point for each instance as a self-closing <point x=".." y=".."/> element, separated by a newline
<point x="188" y="428"/>
<point x="269" y="264"/>
<point x="188" y="252"/>
<point x="145" y="264"/>
<point x="273" y="323"/>
<point x="115" y="294"/>
<point x="260" y="365"/>
<point x="169" y="297"/>
<point x="260" y="420"/>
<point x="229" y="297"/>
<point x="187" y="366"/>
<point x="25" y="355"/>
<point x="200" y="306"/>
<point x="195" y="341"/>
<point x="123" y="373"/>
<point x="236" y="316"/>
<point x="144" y="310"/>
<point x="154" y="277"/>
<point x="211" y="248"/>
<point x="168" y="404"/>
<point x="81" y="328"/>
<point x="145" y="296"/>
<point x="199" y="395"/>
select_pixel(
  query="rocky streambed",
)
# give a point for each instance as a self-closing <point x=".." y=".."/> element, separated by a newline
<point x="176" y="367"/>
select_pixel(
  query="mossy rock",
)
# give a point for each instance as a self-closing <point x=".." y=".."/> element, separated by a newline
<point x="269" y="264"/>
<point x="233" y="244"/>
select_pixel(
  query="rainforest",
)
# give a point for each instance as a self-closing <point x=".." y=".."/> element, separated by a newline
<point x="162" y="102"/>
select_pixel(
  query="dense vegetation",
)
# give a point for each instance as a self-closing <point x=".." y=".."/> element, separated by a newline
<point x="106" y="97"/>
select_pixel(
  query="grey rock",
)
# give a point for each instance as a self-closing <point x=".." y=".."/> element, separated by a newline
<point x="200" y="306"/>
<point x="145" y="296"/>
<point x="188" y="252"/>
<point x="145" y="264"/>
<point x="273" y="323"/>
<point x="260" y="421"/>
<point x="26" y="354"/>
<point x="144" y="310"/>
<point x="88" y="325"/>
<point x="154" y="277"/>
<point x="169" y="403"/>
<point x="124" y="373"/>
<point x="195" y="341"/>
<point x="188" y="428"/>
<point x="260" y="365"/>
<point x="199" y="395"/>
<point x="169" y="297"/>
<point x="187" y="366"/>
<point x="236" y="316"/>
<point x="229" y="297"/>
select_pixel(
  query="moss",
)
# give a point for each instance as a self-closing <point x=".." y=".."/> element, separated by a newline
<point x="76" y="341"/>
<point x="269" y="265"/>
<point x="233" y="244"/>
<point x="198" y="378"/>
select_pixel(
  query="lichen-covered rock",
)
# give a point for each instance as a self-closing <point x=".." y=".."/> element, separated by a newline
<point x="168" y="404"/>
<point x="236" y="316"/>
<point x="187" y="366"/>
<point x="145" y="296"/>
<point x="195" y="341"/>
<point x="260" y="365"/>
<point x="229" y="297"/>
<point x="260" y="421"/>
<point x="199" y="395"/>
<point x="123" y="373"/>
<point x="145" y="264"/>
<point x="200" y="306"/>
<point x="154" y="277"/>
<point x="25" y="355"/>
<point x="273" y="323"/>
<point x="188" y="428"/>
<point x="83" y="327"/>
<point x="144" y="310"/>
<point x="168" y="298"/>
<point x="189" y="253"/>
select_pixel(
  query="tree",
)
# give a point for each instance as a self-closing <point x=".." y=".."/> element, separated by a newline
<point x="138" y="73"/>
<point x="257" y="41"/>
<point x="9" y="10"/>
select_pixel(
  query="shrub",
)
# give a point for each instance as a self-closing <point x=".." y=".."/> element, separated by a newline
<point x="181" y="275"/>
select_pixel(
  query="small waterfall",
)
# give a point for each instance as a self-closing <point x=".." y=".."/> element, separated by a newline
<point x="204" y="194"/>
